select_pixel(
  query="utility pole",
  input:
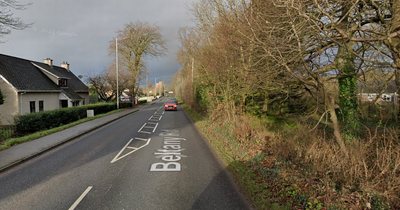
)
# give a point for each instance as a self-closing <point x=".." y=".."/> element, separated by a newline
<point x="155" y="87"/>
<point x="147" y="88"/>
<point x="116" y="67"/>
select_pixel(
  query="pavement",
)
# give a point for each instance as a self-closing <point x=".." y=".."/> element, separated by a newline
<point x="22" y="152"/>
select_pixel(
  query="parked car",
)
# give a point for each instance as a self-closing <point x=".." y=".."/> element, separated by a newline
<point x="171" y="105"/>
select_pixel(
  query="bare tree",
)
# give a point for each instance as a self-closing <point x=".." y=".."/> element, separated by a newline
<point x="102" y="84"/>
<point x="7" y="21"/>
<point x="137" y="41"/>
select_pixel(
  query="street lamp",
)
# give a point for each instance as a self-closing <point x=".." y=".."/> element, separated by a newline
<point x="116" y="67"/>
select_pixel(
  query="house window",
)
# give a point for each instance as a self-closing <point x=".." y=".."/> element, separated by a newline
<point x="32" y="106"/>
<point x="63" y="82"/>
<point x="75" y="103"/>
<point x="63" y="104"/>
<point x="41" y="106"/>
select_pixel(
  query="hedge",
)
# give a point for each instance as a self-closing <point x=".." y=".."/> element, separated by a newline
<point x="38" y="121"/>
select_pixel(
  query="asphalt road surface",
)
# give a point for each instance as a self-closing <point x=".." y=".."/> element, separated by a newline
<point x="151" y="159"/>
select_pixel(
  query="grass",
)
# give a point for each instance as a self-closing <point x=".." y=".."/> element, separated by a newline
<point x="231" y="152"/>
<point x="14" y="141"/>
<point x="280" y="164"/>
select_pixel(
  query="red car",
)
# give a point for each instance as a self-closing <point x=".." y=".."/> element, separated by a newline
<point x="171" y="105"/>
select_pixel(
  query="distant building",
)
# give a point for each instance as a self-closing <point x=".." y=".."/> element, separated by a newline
<point x="386" y="91"/>
<point x="159" y="86"/>
<point x="30" y="86"/>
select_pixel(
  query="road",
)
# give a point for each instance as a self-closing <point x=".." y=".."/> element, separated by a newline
<point x="151" y="159"/>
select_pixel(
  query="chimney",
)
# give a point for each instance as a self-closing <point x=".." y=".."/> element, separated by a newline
<point x="65" y="65"/>
<point x="48" y="61"/>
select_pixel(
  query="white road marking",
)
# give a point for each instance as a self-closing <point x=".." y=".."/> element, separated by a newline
<point x="155" y="128"/>
<point x="160" y="118"/>
<point x="151" y="117"/>
<point x="141" y="139"/>
<point x="144" y="132"/>
<point x="116" y="158"/>
<point x="80" y="198"/>
<point x="141" y="127"/>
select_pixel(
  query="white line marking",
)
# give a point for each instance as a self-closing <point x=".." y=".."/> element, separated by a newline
<point x="153" y="123"/>
<point x="141" y="139"/>
<point x="151" y="117"/>
<point x="141" y="127"/>
<point x="160" y="118"/>
<point x="144" y="132"/>
<point x="132" y="148"/>
<point x="155" y="128"/>
<point x="80" y="198"/>
<point x="116" y="158"/>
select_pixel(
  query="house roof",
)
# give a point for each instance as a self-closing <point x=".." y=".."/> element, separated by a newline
<point x="25" y="75"/>
<point x="71" y="94"/>
<point x="73" y="82"/>
<point x="56" y="71"/>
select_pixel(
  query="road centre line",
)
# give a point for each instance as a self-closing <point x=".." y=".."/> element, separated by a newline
<point x="80" y="198"/>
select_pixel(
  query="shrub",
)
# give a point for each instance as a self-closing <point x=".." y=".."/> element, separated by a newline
<point x="33" y="122"/>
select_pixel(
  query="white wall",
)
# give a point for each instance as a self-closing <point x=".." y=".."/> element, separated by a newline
<point x="10" y="107"/>
<point x="51" y="101"/>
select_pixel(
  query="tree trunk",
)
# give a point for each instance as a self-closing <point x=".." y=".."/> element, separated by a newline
<point x="347" y="90"/>
<point x="336" y="127"/>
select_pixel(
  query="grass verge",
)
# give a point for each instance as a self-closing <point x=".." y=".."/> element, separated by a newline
<point x="14" y="141"/>
<point x="233" y="154"/>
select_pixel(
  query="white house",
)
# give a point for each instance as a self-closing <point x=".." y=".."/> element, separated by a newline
<point x="30" y="86"/>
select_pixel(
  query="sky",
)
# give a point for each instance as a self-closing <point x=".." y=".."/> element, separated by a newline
<point x="79" y="32"/>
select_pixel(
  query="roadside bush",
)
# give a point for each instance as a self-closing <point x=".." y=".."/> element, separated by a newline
<point x="125" y="105"/>
<point x="33" y="122"/>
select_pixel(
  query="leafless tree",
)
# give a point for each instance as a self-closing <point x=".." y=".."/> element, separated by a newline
<point x="137" y="41"/>
<point x="102" y="84"/>
<point x="7" y="19"/>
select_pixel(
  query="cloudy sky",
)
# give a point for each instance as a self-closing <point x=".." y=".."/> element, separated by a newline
<point x="79" y="32"/>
